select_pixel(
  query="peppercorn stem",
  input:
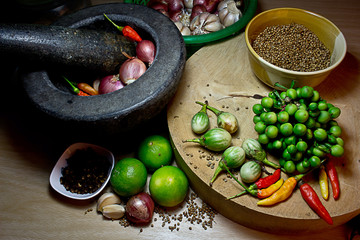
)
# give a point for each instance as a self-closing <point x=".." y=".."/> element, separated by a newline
<point x="117" y="26"/>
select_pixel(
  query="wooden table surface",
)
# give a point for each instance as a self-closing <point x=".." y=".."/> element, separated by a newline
<point x="29" y="148"/>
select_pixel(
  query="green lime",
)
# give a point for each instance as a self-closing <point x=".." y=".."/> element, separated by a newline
<point x="155" y="151"/>
<point x="168" y="186"/>
<point x="128" y="177"/>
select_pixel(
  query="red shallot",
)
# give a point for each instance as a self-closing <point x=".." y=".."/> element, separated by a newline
<point x="110" y="84"/>
<point x="211" y="5"/>
<point x="175" y="16"/>
<point x="145" y="51"/>
<point x="131" y="70"/>
<point x="140" y="208"/>
<point x="175" y="5"/>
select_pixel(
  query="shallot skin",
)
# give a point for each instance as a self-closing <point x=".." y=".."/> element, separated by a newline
<point x="140" y="208"/>
<point x="110" y="84"/>
<point x="145" y="51"/>
<point x="131" y="70"/>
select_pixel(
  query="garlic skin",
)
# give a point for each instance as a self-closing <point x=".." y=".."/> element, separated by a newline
<point x="107" y="199"/>
<point x="113" y="211"/>
<point x="185" y="31"/>
<point x="205" y="23"/>
<point x="228" y="12"/>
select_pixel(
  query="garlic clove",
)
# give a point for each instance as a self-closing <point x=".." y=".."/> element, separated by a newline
<point x="113" y="211"/>
<point x="213" y="27"/>
<point x="203" y="18"/>
<point x="212" y="23"/>
<point x="194" y="23"/>
<point x="182" y="28"/>
<point x="222" y="14"/>
<point x="228" y="12"/>
<point x="212" y="18"/>
<point x="107" y="199"/>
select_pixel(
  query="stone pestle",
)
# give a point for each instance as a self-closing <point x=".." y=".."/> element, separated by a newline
<point x="50" y="45"/>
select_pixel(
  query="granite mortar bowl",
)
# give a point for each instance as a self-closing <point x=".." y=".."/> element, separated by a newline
<point x="324" y="29"/>
<point x="124" y="109"/>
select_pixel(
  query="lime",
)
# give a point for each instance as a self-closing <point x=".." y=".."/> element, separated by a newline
<point x="168" y="186"/>
<point x="128" y="177"/>
<point x="155" y="151"/>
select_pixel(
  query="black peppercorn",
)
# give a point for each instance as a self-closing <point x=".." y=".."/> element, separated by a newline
<point x="86" y="172"/>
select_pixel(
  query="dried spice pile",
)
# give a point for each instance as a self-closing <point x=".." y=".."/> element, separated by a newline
<point x="86" y="172"/>
<point x="194" y="214"/>
<point x="293" y="47"/>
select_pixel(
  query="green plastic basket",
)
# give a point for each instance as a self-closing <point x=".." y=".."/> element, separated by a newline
<point x="195" y="42"/>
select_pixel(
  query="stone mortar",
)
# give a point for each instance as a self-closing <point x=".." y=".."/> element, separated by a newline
<point x="129" y="107"/>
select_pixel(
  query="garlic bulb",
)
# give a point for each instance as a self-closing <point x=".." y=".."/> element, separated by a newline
<point x="205" y="23"/>
<point x="228" y="12"/>
<point x="182" y="28"/>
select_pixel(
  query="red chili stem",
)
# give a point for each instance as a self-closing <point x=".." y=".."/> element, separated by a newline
<point x="75" y="89"/>
<point x="266" y="181"/>
<point x="312" y="199"/>
<point x="127" y="31"/>
<point x="333" y="177"/>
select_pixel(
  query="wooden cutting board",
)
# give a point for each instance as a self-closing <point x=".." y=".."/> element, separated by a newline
<point x="221" y="75"/>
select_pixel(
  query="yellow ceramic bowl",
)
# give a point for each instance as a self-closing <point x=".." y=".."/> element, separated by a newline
<point x="325" y="30"/>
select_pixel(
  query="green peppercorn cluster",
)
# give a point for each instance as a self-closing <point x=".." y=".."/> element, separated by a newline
<point x="299" y="127"/>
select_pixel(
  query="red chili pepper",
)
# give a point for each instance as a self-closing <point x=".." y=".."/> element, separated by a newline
<point x="131" y="33"/>
<point x="262" y="183"/>
<point x="312" y="199"/>
<point x="127" y="31"/>
<point x="267" y="192"/>
<point x="266" y="181"/>
<point x="81" y="93"/>
<point x="87" y="89"/>
<point x="333" y="176"/>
